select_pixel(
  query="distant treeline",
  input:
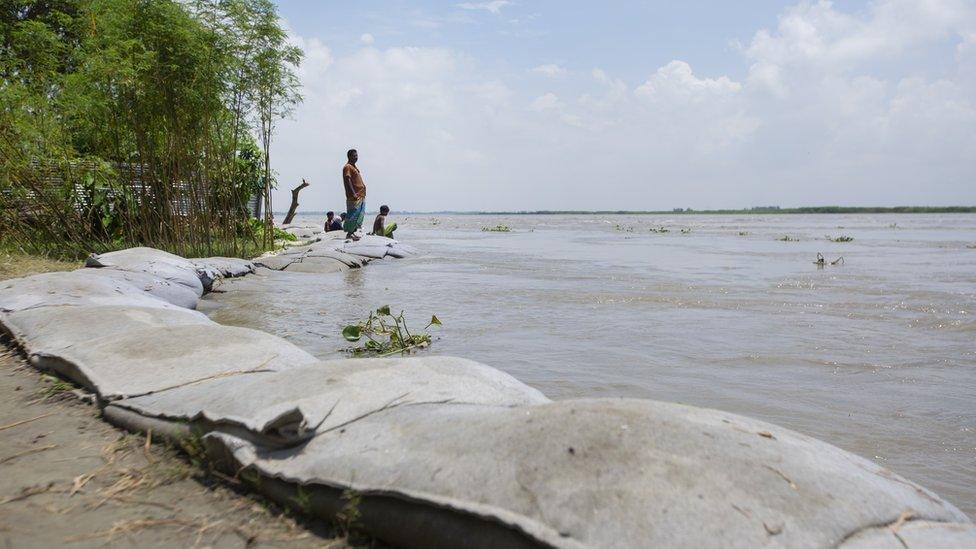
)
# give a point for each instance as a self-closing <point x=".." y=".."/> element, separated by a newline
<point x="769" y="210"/>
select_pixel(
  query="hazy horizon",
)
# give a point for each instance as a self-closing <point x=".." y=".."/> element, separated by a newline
<point x="513" y="106"/>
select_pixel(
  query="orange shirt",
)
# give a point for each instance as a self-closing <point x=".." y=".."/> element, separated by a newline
<point x="355" y="188"/>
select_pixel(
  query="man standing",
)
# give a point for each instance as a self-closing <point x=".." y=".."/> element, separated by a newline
<point x="355" y="195"/>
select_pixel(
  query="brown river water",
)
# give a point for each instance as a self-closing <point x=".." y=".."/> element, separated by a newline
<point x="877" y="356"/>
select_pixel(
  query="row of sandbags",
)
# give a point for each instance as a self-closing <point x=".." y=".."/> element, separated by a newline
<point x="442" y="452"/>
<point x="331" y="252"/>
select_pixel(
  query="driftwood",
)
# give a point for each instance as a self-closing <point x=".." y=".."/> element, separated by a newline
<point x="294" y="202"/>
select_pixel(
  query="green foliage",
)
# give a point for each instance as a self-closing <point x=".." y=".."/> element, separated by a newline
<point x="126" y="122"/>
<point x="788" y="238"/>
<point x="349" y="516"/>
<point x="55" y="386"/>
<point x="387" y="334"/>
<point x="660" y="230"/>
<point x="842" y="238"/>
<point x="278" y="234"/>
<point x="497" y="229"/>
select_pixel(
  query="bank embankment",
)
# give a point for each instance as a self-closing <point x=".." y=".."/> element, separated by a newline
<point x="68" y="478"/>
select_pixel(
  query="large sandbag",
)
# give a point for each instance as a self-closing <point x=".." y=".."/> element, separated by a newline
<point x="171" y="292"/>
<point x="289" y="406"/>
<point x="88" y="287"/>
<point x="914" y="534"/>
<point x="302" y="233"/>
<point x="324" y="249"/>
<point x="332" y="253"/>
<point x="52" y="329"/>
<point x="400" y="251"/>
<point x="375" y="251"/>
<point x="595" y="473"/>
<point x="156" y="262"/>
<point x="317" y="265"/>
<point x="369" y="246"/>
<point x="277" y="262"/>
<point x="295" y="250"/>
<point x="311" y="227"/>
<point x="228" y="267"/>
<point x="155" y="359"/>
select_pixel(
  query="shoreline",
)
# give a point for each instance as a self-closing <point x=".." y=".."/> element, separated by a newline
<point x="803" y="210"/>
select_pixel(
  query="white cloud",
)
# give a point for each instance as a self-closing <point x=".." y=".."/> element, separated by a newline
<point x="676" y="80"/>
<point x="545" y="102"/>
<point x="493" y="6"/>
<point x="367" y="39"/>
<point x="837" y="107"/>
<point x="551" y="71"/>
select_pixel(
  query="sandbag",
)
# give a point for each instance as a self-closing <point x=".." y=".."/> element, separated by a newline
<point x="146" y="360"/>
<point x="375" y="251"/>
<point x="915" y="534"/>
<point x="317" y="265"/>
<point x="90" y="287"/>
<point x="228" y="267"/>
<point x="289" y="406"/>
<point x="301" y="233"/>
<point x="326" y="251"/>
<point x="400" y="251"/>
<point x="315" y="228"/>
<point x="594" y="473"/>
<point x="166" y="290"/>
<point x="150" y="260"/>
<point x="52" y="329"/>
<point x="369" y="246"/>
<point x="277" y="262"/>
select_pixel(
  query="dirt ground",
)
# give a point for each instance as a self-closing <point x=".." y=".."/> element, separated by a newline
<point x="69" y="479"/>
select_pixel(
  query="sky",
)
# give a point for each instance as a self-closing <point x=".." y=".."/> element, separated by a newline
<point x="487" y="105"/>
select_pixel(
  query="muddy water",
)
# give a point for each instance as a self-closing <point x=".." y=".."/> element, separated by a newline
<point x="877" y="356"/>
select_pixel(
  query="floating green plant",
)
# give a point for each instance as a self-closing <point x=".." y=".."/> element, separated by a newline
<point x="387" y="334"/>
<point x="497" y="229"/>
<point x="660" y="230"/>
<point x="841" y="238"/>
<point x="743" y="233"/>
<point x="686" y="231"/>
<point x="788" y="238"/>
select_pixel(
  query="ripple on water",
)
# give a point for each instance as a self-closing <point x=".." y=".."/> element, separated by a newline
<point x="876" y="356"/>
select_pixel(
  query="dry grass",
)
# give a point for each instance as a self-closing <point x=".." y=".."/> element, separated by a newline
<point x="14" y="264"/>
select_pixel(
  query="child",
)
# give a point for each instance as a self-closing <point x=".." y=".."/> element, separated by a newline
<point x="379" y="225"/>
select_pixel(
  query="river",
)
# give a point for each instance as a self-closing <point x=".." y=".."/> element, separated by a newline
<point x="876" y="355"/>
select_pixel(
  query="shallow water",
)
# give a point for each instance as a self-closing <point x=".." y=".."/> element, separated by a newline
<point x="877" y="356"/>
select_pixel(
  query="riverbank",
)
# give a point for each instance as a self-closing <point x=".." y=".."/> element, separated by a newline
<point x="67" y="478"/>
